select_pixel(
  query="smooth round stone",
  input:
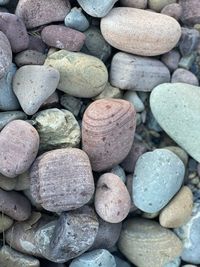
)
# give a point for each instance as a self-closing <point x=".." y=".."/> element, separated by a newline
<point x="57" y="129"/>
<point x="173" y="10"/>
<point x="178" y="210"/>
<point x="5" y="223"/>
<point x="189" y="265"/>
<point x="5" y="55"/>
<point x="104" y="122"/>
<point x="134" y="3"/>
<point x="157" y="178"/>
<point x="96" y="258"/>
<point x="75" y="19"/>
<point x="117" y="170"/>
<point x="40" y="12"/>
<point x="139" y="31"/>
<point x="42" y="81"/>
<point x="71" y="167"/>
<point x="6" y="183"/>
<point x="15" y="30"/>
<point x="189" y="233"/>
<point x="184" y="76"/>
<point x="157" y="5"/>
<point x="191" y="11"/>
<point x="179" y="152"/>
<point x="136" y="73"/>
<point x="19" y="143"/>
<point x="71" y="103"/>
<point x="63" y="37"/>
<point x="29" y="57"/>
<point x="171" y="59"/>
<point x="36" y="44"/>
<point x="97" y="8"/>
<point x="146" y="243"/>
<point x="176" y="108"/>
<point x="121" y="263"/>
<point x="91" y="72"/>
<point x="133" y="98"/>
<point x="110" y="92"/>
<point x="95" y="44"/>
<point x="8" y="116"/>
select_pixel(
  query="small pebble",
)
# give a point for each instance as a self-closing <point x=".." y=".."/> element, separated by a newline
<point x="7" y="184"/>
<point x="117" y="170"/>
<point x="191" y="11"/>
<point x="5" y="223"/>
<point x="36" y="44"/>
<point x="189" y="41"/>
<point x="5" y="55"/>
<point x="173" y="10"/>
<point x="171" y="59"/>
<point x="29" y="57"/>
<point x="187" y="61"/>
<point x="75" y="19"/>
<point x="179" y="152"/>
<point x="8" y="116"/>
<point x="121" y="263"/>
<point x="157" y="5"/>
<point x="134" y="3"/>
<point x="73" y="104"/>
<point x="184" y="76"/>
<point x="174" y="263"/>
<point x="109" y="92"/>
<point x="133" y="98"/>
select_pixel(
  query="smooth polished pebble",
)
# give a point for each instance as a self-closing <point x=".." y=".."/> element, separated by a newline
<point x="189" y="41"/>
<point x="8" y="116"/>
<point x="29" y="57"/>
<point x="118" y="170"/>
<point x="121" y="263"/>
<point x="179" y="152"/>
<point x="184" y="76"/>
<point x="171" y="59"/>
<point x="75" y="19"/>
<point x="71" y="103"/>
<point x="157" y="5"/>
<point x="173" y="10"/>
<point x="135" y="100"/>
<point x="191" y="9"/>
<point x="110" y="92"/>
<point x="7" y="184"/>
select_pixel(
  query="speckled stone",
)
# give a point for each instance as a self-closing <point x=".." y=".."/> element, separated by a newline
<point x="191" y="9"/>
<point x="5" y="55"/>
<point x="166" y="171"/>
<point x="179" y="152"/>
<point x="134" y="3"/>
<point x="75" y="19"/>
<point x="171" y="59"/>
<point x="133" y="98"/>
<point x="5" y="222"/>
<point x="157" y="5"/>
<point x="173" y="10"/>
<point x="136" y="31"/>
<point x="184" y="76"/>
<point x="29" y="57"/>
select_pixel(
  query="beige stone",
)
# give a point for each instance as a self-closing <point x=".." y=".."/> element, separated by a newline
<point x="157" y="5"/>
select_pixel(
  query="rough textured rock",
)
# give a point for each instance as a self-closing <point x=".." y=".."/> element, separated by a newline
<point x="5" y="55"/>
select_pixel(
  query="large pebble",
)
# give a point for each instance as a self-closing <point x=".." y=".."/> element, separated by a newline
<point x="5" y="55"/>
<point x="146" y="243"/>
<point x="157" y="178"/>
<point x="75" y="19"/>
<point x="176" y="107"/>
<point x="73" y="186"/>
<point x="191" y="11"/>
<point x="40" y="12"/>
<point x="138" y="31"/>
<point x="41" y="82"/>
<point x="131" y="72"/>
<point x="107" y="132"/>
<point x="19" y="143"/>
<point x="91" y="72"/>
<point x="29" y="57"/>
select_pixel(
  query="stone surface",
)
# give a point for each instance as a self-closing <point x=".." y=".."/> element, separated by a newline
<point x="173" y="10"/>
<point x="134" y="3"/>
<point x="41" y="81"/>
<point x="75" y="19"/>
<point x="36" y="43"/>
<point x="110" y="92"/>
<point x="5" y="223"/>
<point x="189" y="41"/>
<point x="176" y="108"/>
<point x="73" y="104"/>
<point x="22" y="181"/>
<point x="5" y="55"/>
<point x="136" y="73"/>
<point x="184" y="76"/>
<point x="29" y="57"/>
<point x="104" y="122"/>
<point x="6" y="183"/>
<point x="8" y="116"/>
<point x="157" y="5"/>
<point x="136" y="31"/>
<point x="157" y="178"/>
<point x="191" y="9"/>
<point x="134" y="99"/>
<point x="174" y="263"/>
<point x="179" y="152"/>
<point x="117" y="170"/>
<point x="19" y="142"/>
<point x="121" y="263"/>
<point x="171" y="59"/>
<point x="146" y="243"/>
<point x="91" y="71"/>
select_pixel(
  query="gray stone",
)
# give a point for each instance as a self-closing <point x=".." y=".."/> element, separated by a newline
<point x="187" y="61"/>
<point x="5" y="55"/>
<point x="4" y="2"/>
<point x="110" y="92"/>
<point x="189" y="41"/>
<point x="135" y="100"/>
<point x="8" y="116"/>
<point x="118" y="170"/>
<point x="73" y="104"/>
<point x="174" y="263"/>
<point x="75" y="19"/>
<point x="6" y="183"/>
<point x="5" y="223"/>
<point x="171" y="59"/>
<point x="121" y="263"/>
<point x="184" y="76"/>
<point x="29" y="57"/>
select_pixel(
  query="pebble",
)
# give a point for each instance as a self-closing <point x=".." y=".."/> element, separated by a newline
<point x="133" y="98"/>
<point x="8" y="116"/>
<point x="5" y="55"/>
<point x="179" y="152"/>
<point x="71" y="166"/>
<point x="63" y="37"/>
<point x="134" y="3"/>
<point x="7" y="184"/>
<point x="75" y="19"/>
<point x="91" y="71"/>
<point x="51" y="102"/>
<point x="73" y="104"/>
<point x="110" y="92"/>
<point x="42" y="81"/>
<point x="96" y="258"/>
<point x="4" y="2"/>
<point x="22" y="181"/>
<point x="166" y="171"/>
<point x="19" y="143"/>
<point x="171" y="101"/>
<point x="158" y="5"/>
<point x="121" y="263"/>
<point x="184" y="76"/>
<point x="15" y="30"/>
<point x="112" y="200"/>
<point x="174" y="263"/>
<point x="189" y="41"/>
<point x="130" y="72"/>
<point x="5" y="223"/>
<point x="40" y="12"/>
<point x="29" y="57"/>
<point x="178" y="210"/>
<point x="191" y="9"/>
<point x="136" y="31"/>
<point x="173" y="10"/>
<point x="117" y="170"/>
<point x="104" y="122"/>
<point x="57" y="129"/>
<point x="145" y="243"/>
<point x="152" y="123"/>
<point x="98" y="8"/>
<point x="187" y="61"/>
<point x="36" y="44"/>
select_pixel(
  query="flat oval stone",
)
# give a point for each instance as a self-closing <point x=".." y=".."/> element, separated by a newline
<point x="75" y="19"/>
<point x="41" y="81"/>
<point x="138" y="31"/>
<point x="157" y="178"/>
<point x="5" y="55"/>
<point x="91" y="72"/>
<point x="134" y="3"/>
<point x="136" y="73"/>
<point x="29" y="57"/>
<point x="176" y="108"/>
<point x="5" y="223"/>
<point x="104" y="122"/>
<point x="71" y="167"/>
<point x="145" y="243"/>
<point x="97" y="8"/>
<point x="40" y="12"/>
<point x="19" y="143"/>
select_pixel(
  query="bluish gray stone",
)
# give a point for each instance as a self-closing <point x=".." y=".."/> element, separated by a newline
<point x="75" y="19"/>
<point x="118" y="170"/>
<point x="121" y="263"/>
<point x="4" y="2"/>
<point x="8" y="100"/>
<point x="8" y="116"/>
<point x="175" y="263"/>
<point x="157" y="178"/>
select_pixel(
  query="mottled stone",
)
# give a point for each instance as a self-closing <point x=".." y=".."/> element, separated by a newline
<point x="5" y="223"/>
<point x="29" y="57"/>
<point x="184" y="76"/>
<point x="110" y="92"/>
<point x="75" y="19"/>
<point x="133" y="98"/>
<point x="5" y="55"/>
<point x="71" y="103"/>
<point x="173" y="10"/>
<point x="134" y="3"/>
<point x="157" y="5"/>
<point x="171" y="59"/>
<point x="191" y="11"/>
<point x="22" y="181"/>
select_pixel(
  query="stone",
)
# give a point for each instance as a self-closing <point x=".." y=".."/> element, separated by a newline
<point x="109" y="92"/>
<point x="198" y="169"/>
<point x="15" y="30"/>
<point x="36" y="44"/>
<point x="4" y="2"/>
<point x="176" y="108"/>
<point x="42" y="81"/>
<point x="171" y="59"/>
<point x="157" y="5"/>
<point x="178" y="210"/>
<point x="189" y="41"/>
<point x="191" y="9"/>
<point x="22" y="181"/>
<point x="173" y="10"/>
<point x="63" y="37"/>
<point x="96" y="45"/>
<point x="9" y="258"/>
<point x="184" y="76"/>
<point x="117" y="170"/>
<point x="51" y="102"/>
<point x="5" y="55"/>
<point x="5" y="223"/>
<point x="15" y="205"/>
<point x="138" y="31"/>
<point x="104" y="122"/>
<point x="8" y="116"/>
<point x="73" y="104"/>
<point x="179" y="152"/>
<point x="121" y="263"/>
<point x="98" y="8"/>
<point x="41" y="12"/>
<point x="96" y="258"/>
<point x="133" y="98"/>
<point x="29" y="57"/>
<point x="75" y="19"/>
<point x="158" y="176"/>
<point x="112" y="200"/>
<point x="187" y="61"/>
<point x="57" y="128"/>
<point x="19" y="143"/>
<point x="145" y="243"/>
<point x="6" y="183"/>
<point x="134" y="3"/>
<point x="91" y="71"/>
<point x="129" y="72"/>
<point x="174" y="263"/>
<point x="70" y="166"/>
